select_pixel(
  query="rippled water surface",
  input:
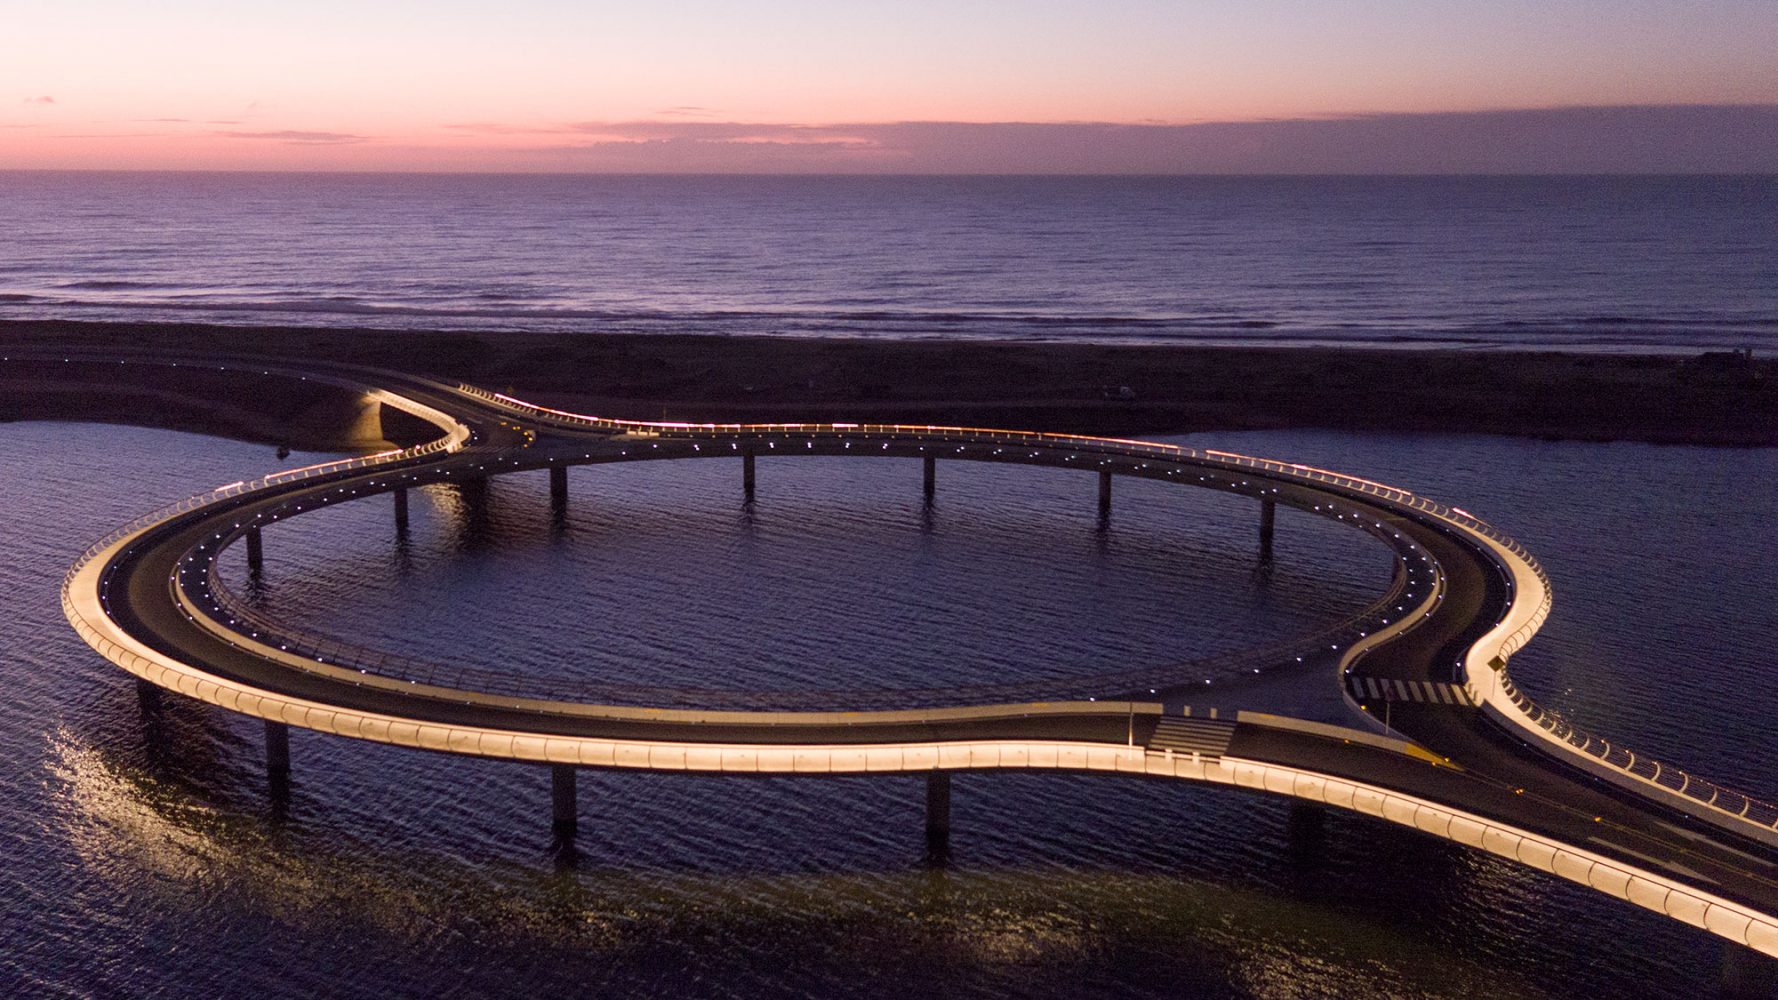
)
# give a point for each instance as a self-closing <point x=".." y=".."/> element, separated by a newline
<point x="837" y="582"/>
<point x="149" y="859"/>
<point x="1602" y="263"/>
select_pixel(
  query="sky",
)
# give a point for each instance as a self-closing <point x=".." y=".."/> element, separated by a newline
<point x="1150" y="86"/>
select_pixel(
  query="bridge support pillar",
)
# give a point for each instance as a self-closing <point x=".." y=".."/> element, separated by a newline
<point x="564" y="815"/>
<point x="1268" y="520"/>
<point x="930" y="482"/>
<point x="938" y="806"/>
<point x="747" y="474"/>
<point x="1104" y="492"/>
<point x="1747" y="973"/>
<point x="255" y="551"/>
<point x="558" y="487"/>
<point x="401" y="511"/>
<point x="474" y="491"/>
<point x="277" y="750"/>
<point x="148" y="696"/>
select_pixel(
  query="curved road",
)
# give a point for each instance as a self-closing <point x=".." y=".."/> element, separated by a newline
<point x="1468" y="758"/>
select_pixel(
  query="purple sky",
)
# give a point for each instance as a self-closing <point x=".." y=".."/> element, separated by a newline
<point x="1736" y="139"/>
<point x="1166" y="86"/>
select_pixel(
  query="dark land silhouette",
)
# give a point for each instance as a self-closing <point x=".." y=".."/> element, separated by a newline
<point x="1708" y="399"/>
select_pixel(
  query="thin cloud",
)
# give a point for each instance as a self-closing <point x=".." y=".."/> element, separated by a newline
<point x="696" y="156"/>
<point x="45" y="99"/>
<point x="299" y="137"/>
<point x="689" y="111"/>
<point x="1622" y="139"/>
<point x="499" y="128"/>
<point x="735" y="133"/>
<point x="1618" y="139"/>
<point x="676" y="131"/>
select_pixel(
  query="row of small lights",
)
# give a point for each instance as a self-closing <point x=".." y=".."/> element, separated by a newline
<point x="530" y="435"/>
<point x="345" y="493"/>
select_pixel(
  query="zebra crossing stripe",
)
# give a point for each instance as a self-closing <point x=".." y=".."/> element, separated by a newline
<point x="1428" y="692"/>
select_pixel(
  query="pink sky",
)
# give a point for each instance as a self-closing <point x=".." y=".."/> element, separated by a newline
<point x="962" y="86"/>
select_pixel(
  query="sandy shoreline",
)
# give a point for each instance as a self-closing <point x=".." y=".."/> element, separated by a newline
<point x="1037" y="386"/>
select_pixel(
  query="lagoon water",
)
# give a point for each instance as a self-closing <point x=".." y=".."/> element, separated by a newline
<point x="148" y="860"/>
<point x="1589" y="263"/>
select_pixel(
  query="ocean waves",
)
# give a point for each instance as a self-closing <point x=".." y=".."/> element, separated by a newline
<point x="494" y="312"/>
<point x="1656" y="264"/>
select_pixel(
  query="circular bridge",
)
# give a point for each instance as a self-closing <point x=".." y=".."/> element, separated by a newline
<point x="207" y="596"/>
<point x="1465" y="754"/>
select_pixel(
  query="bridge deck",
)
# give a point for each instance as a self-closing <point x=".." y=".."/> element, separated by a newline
<point x="137" y="601"/>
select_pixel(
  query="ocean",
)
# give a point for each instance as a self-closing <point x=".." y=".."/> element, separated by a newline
<point x="149" y="860"/>
<point x="1664" y="264"/>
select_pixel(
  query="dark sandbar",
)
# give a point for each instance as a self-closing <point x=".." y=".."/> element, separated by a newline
<point x="1716" y="400"/>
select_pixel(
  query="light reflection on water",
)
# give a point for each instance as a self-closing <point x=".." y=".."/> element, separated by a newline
<point x="143" y="860"/>
<point x="1005" y="926"/>
<point x="837" y="577"/>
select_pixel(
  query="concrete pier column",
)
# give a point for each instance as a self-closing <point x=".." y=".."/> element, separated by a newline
<point x="1268" y="519"/>
<point x="747" y="474"/>
<point x="473" y="488"/>
<point x="564" y="816"/>
<point x="938" y="805"/>
<point x="255" y="551"/>
<point x="1104" y="492"/>
<point x="148" y="696"/>
<point x="401" y="510"/>
<point x="930" y="484"/>
<point x="558" y="485"/>
<point x="277" y="749"/>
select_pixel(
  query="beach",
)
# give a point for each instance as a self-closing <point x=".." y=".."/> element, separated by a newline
<point x="1716" y="398"/>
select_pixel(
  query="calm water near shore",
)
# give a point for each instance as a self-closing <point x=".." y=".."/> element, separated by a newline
<point x="1601" y="263"/>
<point x="148" y="862"/>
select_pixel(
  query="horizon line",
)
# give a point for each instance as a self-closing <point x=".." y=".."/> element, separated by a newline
<point x="887" y="175"/>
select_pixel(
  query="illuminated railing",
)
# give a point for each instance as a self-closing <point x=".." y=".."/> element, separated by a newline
<point x="455" y="437"/>
<point x="1704" y="792"/>
<point x="324" y="650"/>
<point x="451" y="442"/>
<point x="1113" y="447"/>
<point x="231" y="610"/>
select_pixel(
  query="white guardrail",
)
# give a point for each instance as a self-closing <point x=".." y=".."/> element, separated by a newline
<point x="1484" y="666"/>
<point x="1727" y="919"/>
<point x="455" y="436"/>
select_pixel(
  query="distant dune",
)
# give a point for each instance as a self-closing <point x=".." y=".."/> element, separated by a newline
<point x="1716" y="399"/>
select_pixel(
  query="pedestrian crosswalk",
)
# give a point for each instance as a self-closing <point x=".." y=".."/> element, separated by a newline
<point x="1390" y="689"/>
<point x="1208" y="737"/>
